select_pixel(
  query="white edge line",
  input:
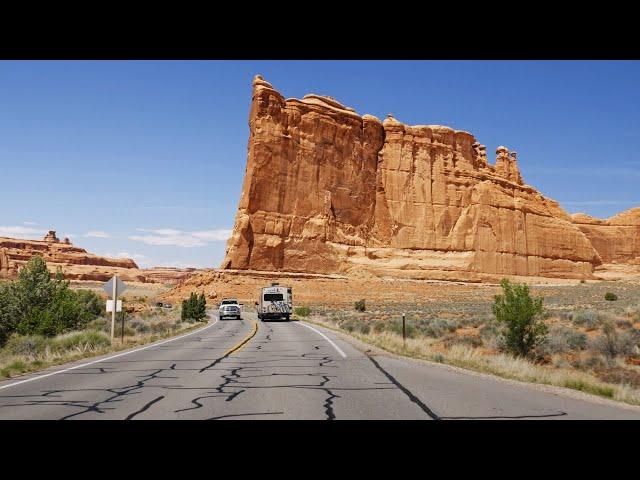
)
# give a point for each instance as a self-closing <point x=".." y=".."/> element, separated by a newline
<point x="109" y="358"/>
<point x="326" y="338"/>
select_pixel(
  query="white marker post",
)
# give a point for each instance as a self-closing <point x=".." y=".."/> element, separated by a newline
<point x="115" y="306"/>
<point x="115" y="286"/>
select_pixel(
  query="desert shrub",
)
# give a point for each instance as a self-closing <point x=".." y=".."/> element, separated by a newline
<point x="489" y="330"/>
<point x="623" y="323"/>
<point x="160" y="327"/>
<point x="610" y="296"/>
<point x="34" y="346"/>
<point x="27" y="345"/>
<point x="591" y="362"/>
<point x="87" y="340"/>
<point x="612" y="344"/>
<point x="621" y="376"/>
<point x="474" y="321"/>
<point x="587" y="318"/>
<point x="302" y="311"/>
<point x="140" y="327"/>
<point x="378" y="326"/>
<point x="565" y="315"/>
<point x="468" y="340"/>
<point x="128" y="330"/>
<point x="101" y="324"/>
<point x="395" y="326"/>
<point x="435" y="327"/>
<point x="359" y="306"/>
<point x="562" y="339"/>
<point x="519" y="314"/>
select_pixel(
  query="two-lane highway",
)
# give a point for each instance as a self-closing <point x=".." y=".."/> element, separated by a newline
<point x="245" y="369"/>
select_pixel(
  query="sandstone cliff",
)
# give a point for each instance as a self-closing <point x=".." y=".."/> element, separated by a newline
<point x="617" y="239"/>
<point x="329" y="191"/>
<point x="78" y="264"/>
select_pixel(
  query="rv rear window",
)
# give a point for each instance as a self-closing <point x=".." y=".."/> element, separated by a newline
<point x="272" y="297"/>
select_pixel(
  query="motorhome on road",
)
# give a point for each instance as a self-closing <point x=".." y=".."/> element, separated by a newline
<point x="275" y="302"/>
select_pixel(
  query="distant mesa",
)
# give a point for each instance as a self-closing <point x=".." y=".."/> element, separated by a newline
<point x="329" y="191"/>
<point x="77" y="263"/>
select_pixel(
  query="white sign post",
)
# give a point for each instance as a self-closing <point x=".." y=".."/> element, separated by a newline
<point x="115" y="287"/>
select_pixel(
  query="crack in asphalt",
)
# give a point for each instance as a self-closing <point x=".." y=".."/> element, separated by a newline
<point x="404" y="389"/>
<point x="144" y="408"/>
<point x="244" y="415"/>
<point x="504" y="417"/>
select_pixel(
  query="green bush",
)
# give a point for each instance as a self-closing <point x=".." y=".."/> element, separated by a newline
<point x="519" y="314"/>
<point x="194" y="308"/>
<point x="37" y="304"/>
<point x="610" y="296"/>
<point x="302" y="311"/>
<point x="360" y="306"/>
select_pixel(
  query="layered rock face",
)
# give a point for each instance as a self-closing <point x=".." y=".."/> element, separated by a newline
<point x="617" y="239"/>
<point x="329" y="191"/>
<point x="78" y="264"/>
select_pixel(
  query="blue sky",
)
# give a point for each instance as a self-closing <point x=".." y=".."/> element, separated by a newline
<point x="146" y="158"/>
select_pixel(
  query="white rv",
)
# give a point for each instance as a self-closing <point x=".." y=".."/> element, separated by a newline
<point x="275" y="301"/>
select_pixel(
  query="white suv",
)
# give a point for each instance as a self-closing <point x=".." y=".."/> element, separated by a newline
<point x="229" y="307"/>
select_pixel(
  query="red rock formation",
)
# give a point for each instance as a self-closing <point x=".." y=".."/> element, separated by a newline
<point x="617" y="239"/>
<point x="329" y="191"/>
<point x="77" y="264"/>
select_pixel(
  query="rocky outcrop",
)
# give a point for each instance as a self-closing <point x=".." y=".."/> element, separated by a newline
<point x="78" y="264"/>
<point x="617" y="239"/>
<point x="329" y="191"/>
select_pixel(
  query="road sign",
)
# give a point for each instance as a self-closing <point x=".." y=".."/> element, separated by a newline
<point x="108" y="287"/>
<point x="110" y="306"/>
<point x="114" y="287"/>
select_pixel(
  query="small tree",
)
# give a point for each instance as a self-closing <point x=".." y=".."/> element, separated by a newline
<point x="359" y="306"/>
<point x="201" y="312"/>
<point x="194" y="308"/>
<point x="610" y="296"/>
<point x="519" y="314"/>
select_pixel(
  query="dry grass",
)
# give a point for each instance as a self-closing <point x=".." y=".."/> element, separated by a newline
<point x="494" y="363"/>
<point x="27" y="354"/>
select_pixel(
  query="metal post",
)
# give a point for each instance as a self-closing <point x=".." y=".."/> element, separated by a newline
<point x="404" y="332"/>
<point x="115" y="304"/>
<point x="122" y="333"/>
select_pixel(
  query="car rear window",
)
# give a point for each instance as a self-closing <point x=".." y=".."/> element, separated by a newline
<point x="227" y="302"/>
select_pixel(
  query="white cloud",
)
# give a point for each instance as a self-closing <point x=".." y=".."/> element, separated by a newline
<point x="135" y="256"/>
<point x="220" y="235"/>
<point x="22" y="232"/>
<point x="179" y="238"/>
<point x="29" y="223"/>
<point x="97" y="234"/>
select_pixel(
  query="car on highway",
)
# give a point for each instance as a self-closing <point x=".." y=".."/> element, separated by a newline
<point x="229" y="307"/>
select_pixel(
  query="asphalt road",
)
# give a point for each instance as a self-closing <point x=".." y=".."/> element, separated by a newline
<point x="286" y="370"/>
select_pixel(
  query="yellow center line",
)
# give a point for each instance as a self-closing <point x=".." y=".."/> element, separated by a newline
<point x="243" y="342"/>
